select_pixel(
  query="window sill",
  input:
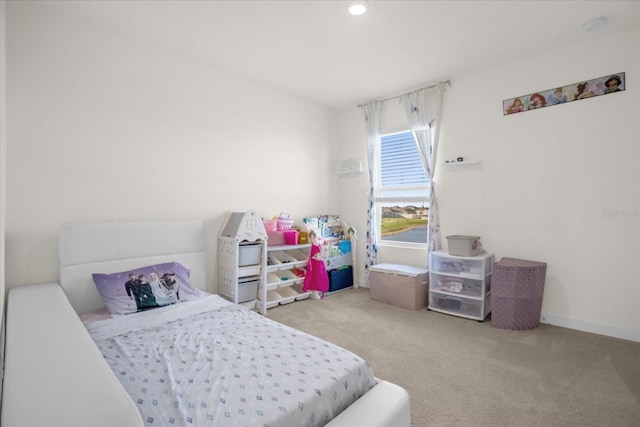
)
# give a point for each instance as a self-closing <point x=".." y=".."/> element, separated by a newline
<point x="402" y="245"/>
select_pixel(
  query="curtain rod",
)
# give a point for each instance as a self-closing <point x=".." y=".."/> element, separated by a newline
<point x="447" y="82"/>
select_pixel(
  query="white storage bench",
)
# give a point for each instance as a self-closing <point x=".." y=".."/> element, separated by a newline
<point x="401" y="285"/>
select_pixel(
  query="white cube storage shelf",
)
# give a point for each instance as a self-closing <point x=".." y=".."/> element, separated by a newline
<point x="282" y="285"/>
<point x="460" y="285"/>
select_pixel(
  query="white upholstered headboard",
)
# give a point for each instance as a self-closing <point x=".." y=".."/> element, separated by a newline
<point x="110" y="247"/>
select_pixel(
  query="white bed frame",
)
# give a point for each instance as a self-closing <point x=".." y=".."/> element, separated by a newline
<point x="55" y="374"/>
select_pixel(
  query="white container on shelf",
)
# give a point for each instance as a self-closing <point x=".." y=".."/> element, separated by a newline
<point x="287" y="277"/>
<point x="299" y="254"/>
<point x="249" y="254"/>
<point x="248" y="288"/>
<point x="464" y="245"/>
<point x="273" y="280"/>
<point x="273" y="298"/>
<point x="301" y="295"/>
<point x="288" y="295"/>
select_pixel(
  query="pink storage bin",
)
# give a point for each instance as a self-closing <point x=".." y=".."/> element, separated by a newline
<point x="275" y="238"/>
<point x="270" y="225"/>
<point x="291" y="237"/>
<point x="285" y="224"/>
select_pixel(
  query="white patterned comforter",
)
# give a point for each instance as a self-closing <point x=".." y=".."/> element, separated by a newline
<point x="211" y="363"/>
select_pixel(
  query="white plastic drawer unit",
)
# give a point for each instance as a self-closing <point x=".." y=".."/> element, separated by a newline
<point x="459" y="305"/>
<point x="460" y="266"/>
<point x="459" y="285"/>
<point x="249" y="254"/>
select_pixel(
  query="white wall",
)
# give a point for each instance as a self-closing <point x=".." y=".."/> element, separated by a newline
<point x="105" y="127"/>
<point x="3" y="180"/>
<point x="559" y="185"/>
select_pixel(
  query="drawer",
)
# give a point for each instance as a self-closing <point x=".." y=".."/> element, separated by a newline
<point x="464" y="267"/>
<point x="458" y="285"/>
<point x="249" y="254"/>
<point x="248" y="289"/>
<point x="458" y="306"/>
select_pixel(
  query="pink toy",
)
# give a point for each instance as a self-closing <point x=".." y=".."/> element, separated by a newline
<point x="316" y="279"/>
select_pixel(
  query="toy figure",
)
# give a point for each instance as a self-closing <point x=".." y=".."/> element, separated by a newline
<point x="317" y="279"/>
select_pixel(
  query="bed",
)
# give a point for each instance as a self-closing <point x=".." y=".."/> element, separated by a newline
<point x="255" y="371"/>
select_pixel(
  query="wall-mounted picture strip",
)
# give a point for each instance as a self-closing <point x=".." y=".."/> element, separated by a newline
<point x="573" y="92"/>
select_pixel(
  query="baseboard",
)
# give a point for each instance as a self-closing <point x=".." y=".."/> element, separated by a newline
<point x="594" y="328"/>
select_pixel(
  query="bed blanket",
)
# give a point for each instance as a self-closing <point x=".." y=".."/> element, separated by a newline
<point x="211" y="363"/>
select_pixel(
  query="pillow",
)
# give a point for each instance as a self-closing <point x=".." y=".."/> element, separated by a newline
<point x="145" y="288"/>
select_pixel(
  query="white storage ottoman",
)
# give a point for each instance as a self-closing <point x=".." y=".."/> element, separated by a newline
<point x="401" y="285"/>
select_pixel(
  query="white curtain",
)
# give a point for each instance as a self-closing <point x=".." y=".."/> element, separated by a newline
<point x="372" y="112"/>
<point x="424" y="110"/>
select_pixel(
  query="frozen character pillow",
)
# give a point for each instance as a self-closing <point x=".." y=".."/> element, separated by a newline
<point x="145" y="288"/>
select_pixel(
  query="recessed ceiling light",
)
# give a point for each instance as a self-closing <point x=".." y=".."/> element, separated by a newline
<point x="595" y="24"/>
<point x="357" y="9"/>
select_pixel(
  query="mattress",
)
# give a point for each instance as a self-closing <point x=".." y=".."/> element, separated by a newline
<point x="208" y="362"/>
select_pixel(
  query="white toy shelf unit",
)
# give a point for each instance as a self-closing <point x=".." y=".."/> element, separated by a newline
<point x="260" y="276"/>
<point x="242" y="255"/>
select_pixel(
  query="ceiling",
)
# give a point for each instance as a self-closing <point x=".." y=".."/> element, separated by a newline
<point x="316" y="50"/>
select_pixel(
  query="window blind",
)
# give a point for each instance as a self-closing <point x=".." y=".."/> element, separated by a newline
<point x="400" y="165"/>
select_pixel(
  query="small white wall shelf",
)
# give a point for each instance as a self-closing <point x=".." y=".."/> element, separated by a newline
<point x="466" y="162"/>
<point x="351" y="167"/>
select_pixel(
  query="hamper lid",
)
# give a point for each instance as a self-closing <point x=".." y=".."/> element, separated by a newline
<point x="407" y="270"/>
<point x="515" y="262"/>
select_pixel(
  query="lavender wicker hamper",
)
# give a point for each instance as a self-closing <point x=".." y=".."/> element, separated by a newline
<point x="517" y="289"/>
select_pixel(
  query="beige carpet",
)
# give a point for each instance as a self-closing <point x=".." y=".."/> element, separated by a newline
<point x="461" y="372"/>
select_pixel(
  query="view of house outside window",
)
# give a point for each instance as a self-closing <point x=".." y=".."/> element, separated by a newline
<point x="406" y="223"/>
<point x="402" y="195"/>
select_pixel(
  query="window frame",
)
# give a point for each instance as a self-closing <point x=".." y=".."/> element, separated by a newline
<point x="383" y="197"/>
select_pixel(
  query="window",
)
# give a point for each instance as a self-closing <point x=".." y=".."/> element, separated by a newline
<point x="402" y="194"/>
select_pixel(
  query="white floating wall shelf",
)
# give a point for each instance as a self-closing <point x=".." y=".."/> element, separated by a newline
<point x="351" y="167"/>
<point x="466" y="162"/>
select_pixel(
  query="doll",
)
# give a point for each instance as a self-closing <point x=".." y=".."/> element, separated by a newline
<point x="316" y="279"/>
